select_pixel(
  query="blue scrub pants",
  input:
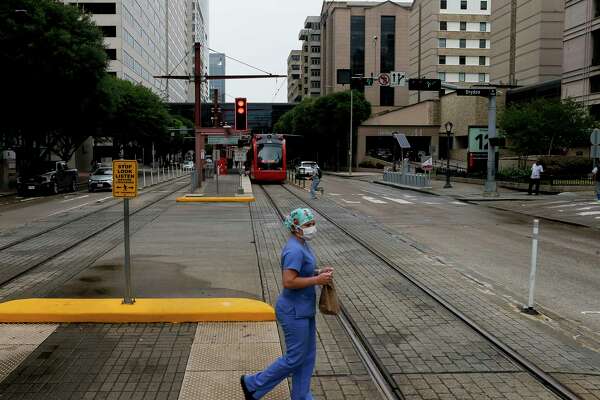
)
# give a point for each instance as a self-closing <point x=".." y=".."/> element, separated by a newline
<point x="298" y="360"/>
<point x="314" y="186"/>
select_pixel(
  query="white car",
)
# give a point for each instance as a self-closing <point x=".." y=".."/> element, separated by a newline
<point x="305" y="169"/>
<point x="188" y="166"/>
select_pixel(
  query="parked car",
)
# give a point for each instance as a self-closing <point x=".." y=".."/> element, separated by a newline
<point x="305" y="169"/>
<point x="101" y="179"/>
<point x="188" y="165"/>
<point x="48" y="178"/>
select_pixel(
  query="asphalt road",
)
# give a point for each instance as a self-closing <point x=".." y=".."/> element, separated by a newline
<point x="489" y="245"/>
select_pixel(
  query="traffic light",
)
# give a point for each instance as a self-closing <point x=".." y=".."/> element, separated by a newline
<point x="368" y="81"/>
<point x="241" y="114"/>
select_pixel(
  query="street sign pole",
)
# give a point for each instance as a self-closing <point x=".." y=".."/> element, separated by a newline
<point x="490" y="184"/>
<point x="350" y="146"/>
<point x="128" y="299"/>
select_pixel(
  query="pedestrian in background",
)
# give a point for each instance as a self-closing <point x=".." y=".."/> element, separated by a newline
<point x="316" y="179"/>
<point x="596" y="175"/>
<point x="295" y="311"/>
<point x="536" y="171"/>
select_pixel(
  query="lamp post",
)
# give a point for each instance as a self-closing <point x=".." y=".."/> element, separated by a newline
<point x="448" y="125"/>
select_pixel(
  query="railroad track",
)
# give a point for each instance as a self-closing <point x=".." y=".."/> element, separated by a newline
<point x="68" y="235"/>
<point x="545" y="379"/>
<point x="384" y="381"/>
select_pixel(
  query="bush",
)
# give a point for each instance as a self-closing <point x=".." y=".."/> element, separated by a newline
<point x="366" y="164"/>
<point x="379" y="166"/>
<point x="566" y="165"/>
<point x="513" y="173"/>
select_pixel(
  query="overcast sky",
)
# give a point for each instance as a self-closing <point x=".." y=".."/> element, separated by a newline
<point x="261" y="33"/>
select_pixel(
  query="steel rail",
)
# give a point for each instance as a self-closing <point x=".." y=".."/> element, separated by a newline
<point x="540" y="375"/>
<point x="87" y="237"/>
<point x="381" y="376"/>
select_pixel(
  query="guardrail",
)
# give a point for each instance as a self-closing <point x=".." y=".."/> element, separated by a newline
<point x="415" y="180"/>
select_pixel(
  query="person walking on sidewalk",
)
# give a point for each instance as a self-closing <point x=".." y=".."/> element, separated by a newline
<point x="536" y="171"/>
<point x="295" y="311"/>
<point x="596" y="175"/>
<point x="316" y="179"/>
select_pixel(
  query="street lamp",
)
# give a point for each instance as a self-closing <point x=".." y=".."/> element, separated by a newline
<point x="448" y="125"/>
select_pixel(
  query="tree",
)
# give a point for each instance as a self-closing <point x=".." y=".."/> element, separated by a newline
<point x="324" y="122"/>
<point x="545" y="126"/>
<point x="52" y="59"/>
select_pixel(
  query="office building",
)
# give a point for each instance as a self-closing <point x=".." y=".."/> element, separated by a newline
<point x="294" y="76"/>
<point x="148" y="38"/>
<point x="310" y="36"/>
<point x="450" y="40"/>
<point x="198" y="24"/>
<point x="581" y="56"/>
<point x="368" y="38"/>
<point x="527" y="41"/>
<point x="217" y="67"/>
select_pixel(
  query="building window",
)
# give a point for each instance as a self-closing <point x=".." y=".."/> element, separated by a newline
<point x="463" y="4"/>
<point x="386" y="96"/>
<point x="461" y="76"/>
<point x="482" y="78"/>
<point x="315" y="84"/>
<point x="305" y="59"/>
<point x="98" y="8"/>
<point x="357" y="49"/>
<point x="482" y="43"/>
<point x="305" y="49"/>
<point x="315" y="37"/>
<point x="596" y="47"/>
<point x="462" y="43"/>
<point x="315" y="61"/>
<point x="481" y="60"/>
<point x="463" y="26"/>
<point x="111" y="54"/>
<point x="442" y="60"/>
<point x="442" y="43"/>
<point x="596" y="8"/>
<point x="295" y="68"/>
<point x="443" y="4"/>
<point x="443" y="26"/>
<point x="442" y="76"/>
<point x="483" y="27"/>
<point x="315" y="72"/>
<point x="462" y="60"/>
<point x="484" y="5"/>
<point x="388" y="44"/>
<point x="315" y="49"/>
<point x="595" y="84"/>
<point x="109" y="31"/>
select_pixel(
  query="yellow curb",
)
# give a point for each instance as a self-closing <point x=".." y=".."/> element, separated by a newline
<point x="240" y="199"/>
<point x="142" y="311"/>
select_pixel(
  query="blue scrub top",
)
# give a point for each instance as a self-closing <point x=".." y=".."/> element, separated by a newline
<point x="298" y="256"/>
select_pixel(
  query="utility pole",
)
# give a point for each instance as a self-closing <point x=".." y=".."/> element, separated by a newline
<point x="350" y="145"/>
<point x="419" y="61"/>
<point x="198" y="112"/>
<point x="490" y="183"/>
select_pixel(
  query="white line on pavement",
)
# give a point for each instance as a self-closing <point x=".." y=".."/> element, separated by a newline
<point x="29" y="199"/>
<point x="431" y="203"/>
<point x="75" y="198"/>
<point x="68" y="209"/>
<point x="350" y="202"/>
<point x="459" y="203"/>
<point x="374" y="200"/>
<point x="585" y="208"/>
<point x="399" y="201"/>
<point x="590" y="312"/>
<point x="568" y="205"/>
<point x="334" y="194"/>
<point x="102" y="199"/>
<point x="587" y="213"/>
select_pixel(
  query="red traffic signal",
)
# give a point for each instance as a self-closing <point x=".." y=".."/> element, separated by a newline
<point x="241" y="114"/>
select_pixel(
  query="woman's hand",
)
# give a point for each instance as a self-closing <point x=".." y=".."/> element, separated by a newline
<point x="326" y="269"/>
<point x="324" y="278"/>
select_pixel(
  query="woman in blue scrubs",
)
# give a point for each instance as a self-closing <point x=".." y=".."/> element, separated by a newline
<point x="295" y="310"/>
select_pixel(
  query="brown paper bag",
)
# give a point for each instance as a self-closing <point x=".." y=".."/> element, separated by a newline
<point x="328" y="302"/>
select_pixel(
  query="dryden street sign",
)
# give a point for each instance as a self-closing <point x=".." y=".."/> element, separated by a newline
<point x="476" y="92"/>
<point x="125" y="178"/>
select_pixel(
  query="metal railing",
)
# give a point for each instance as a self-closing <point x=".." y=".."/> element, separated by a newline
<point x="415" y="180"/>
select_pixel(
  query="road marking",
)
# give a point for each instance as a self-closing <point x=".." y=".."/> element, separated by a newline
<point x="568" y="205"/>
<point x="432" y="203"/>
<point x="29" y="199"/>
<point x="585" y="208"/>
<point x="334" y="194"/>
<point x="350" y="202"/>
<point x="590" y="312"/>
<point x="68" y="209"/>
<point x="104" y="198"/>
<point x="75" y="198"/>
<point x="555" y="202"/>
<point x="374" y="200"/>
<point x="399" y="201"/>
<point x="587" y="213"/>
<point x="459" y="203"/>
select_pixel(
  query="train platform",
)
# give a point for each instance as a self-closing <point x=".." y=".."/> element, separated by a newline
<point x="224" y="188"/>
<point x="394" y="339"/>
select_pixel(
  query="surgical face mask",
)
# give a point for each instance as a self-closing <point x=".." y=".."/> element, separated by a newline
<point x="309" y="232"/>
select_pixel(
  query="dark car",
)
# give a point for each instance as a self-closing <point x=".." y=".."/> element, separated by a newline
<point x="101" y="179"/>
<point x="48" y="178"/>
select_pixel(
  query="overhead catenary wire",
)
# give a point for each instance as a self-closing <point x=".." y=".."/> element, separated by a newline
<point x="241" y="62"/>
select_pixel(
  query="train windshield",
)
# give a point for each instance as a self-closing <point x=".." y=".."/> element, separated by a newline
<point x="269" y="156"/>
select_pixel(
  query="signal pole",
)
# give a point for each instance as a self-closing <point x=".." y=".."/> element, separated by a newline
<point x="198" y="113"/>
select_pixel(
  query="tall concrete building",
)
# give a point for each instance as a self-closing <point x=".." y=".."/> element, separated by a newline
<point x="217" y="67"/>
<point x="294" y="76"/>
<point x="368" y="38"/>
<point x="527" y="41"/>
<point x="581" y="59"/>
<point x="450" y="40"/>
<point x="147" y="38"/>
<point x="198" y="24"/>
<point x="310" y="36"/>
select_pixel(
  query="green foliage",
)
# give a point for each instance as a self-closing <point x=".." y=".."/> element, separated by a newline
<point x="545" y="126"/>
<point x="324" y="122"/>
<point x="557" y="166"/>
<point x="513" y="173"/>
<point x="52" y="60"/>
